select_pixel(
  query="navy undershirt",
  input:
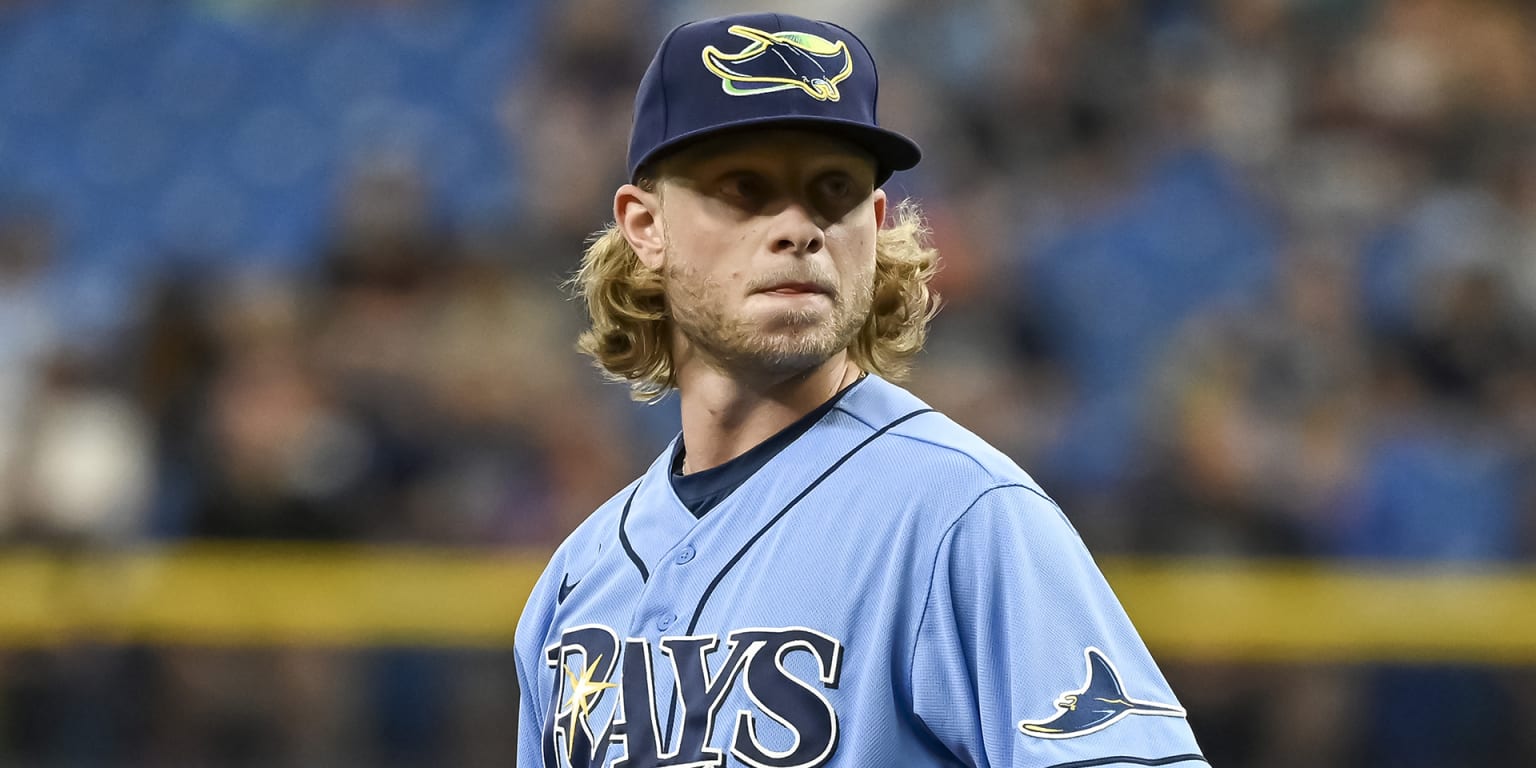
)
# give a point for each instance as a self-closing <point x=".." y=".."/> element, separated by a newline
<point x="702" y="490"/>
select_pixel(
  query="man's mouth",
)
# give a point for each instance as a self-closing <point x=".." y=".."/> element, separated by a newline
<point x="795" y="289"/>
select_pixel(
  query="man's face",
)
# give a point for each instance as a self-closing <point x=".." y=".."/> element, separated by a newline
<point x="769" y="249"/>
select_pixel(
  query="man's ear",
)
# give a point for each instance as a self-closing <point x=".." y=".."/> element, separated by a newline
<point x="880" y="201"/>
<point x="638" y="216"/>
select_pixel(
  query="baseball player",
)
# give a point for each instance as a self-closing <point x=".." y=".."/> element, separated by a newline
<point x="820" y="570"/>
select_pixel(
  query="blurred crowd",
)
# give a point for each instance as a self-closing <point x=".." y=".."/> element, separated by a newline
<point x="1228" y="277"/>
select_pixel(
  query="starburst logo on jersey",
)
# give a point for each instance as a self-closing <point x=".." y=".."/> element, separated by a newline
<point x="1100" y="703"/>
<point x="583" y="688"/>
<point x="781" y="61"/>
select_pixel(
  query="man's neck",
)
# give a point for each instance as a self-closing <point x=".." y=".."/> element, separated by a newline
<point x="725" y="415"/>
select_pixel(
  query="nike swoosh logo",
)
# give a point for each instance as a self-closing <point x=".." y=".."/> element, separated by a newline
<point x="565" y="588"/>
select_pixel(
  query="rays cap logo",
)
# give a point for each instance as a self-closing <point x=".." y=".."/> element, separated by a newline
<point x="762" y="70"/>
<point x="781" y="61"/>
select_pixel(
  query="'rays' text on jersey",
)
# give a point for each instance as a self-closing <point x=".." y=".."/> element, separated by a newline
<point x="587" y="658"/>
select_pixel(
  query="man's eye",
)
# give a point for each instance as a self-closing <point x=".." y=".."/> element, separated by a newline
<point x="744" y="187"/>
<point x="837" y="186"/>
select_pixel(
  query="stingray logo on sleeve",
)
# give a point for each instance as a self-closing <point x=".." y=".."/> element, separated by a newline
<point x="781" y="61"/>
<point x="1100" y="703"/>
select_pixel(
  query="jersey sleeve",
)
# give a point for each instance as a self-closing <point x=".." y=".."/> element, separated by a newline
<point x="1024" y="657"/>
<point x="529" y="719"/>
<point x="528" y="648"/>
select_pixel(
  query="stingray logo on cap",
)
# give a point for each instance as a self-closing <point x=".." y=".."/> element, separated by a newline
<point x="781" y="61"/>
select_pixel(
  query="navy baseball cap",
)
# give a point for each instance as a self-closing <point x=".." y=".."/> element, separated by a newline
<point x="762" y="69"/>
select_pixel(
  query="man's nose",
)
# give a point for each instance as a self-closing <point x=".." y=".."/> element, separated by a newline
<point x="796" y="231"/>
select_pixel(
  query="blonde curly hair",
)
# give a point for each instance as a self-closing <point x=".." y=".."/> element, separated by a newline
<point x="629" y="338"/>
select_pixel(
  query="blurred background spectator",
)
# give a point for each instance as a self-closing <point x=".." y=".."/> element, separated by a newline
<point x="1229" y="277"/>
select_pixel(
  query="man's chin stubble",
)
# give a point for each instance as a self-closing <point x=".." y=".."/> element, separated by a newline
<point x="777" y="353"/>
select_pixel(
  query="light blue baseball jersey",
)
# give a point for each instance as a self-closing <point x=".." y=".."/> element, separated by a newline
<point x="888" y="590"/>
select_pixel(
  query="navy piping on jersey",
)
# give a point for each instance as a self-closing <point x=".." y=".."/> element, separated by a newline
<point x="1122" y="759"/>
<point x="624" y="537"/>
<point x="710" y="590"/>
<point x="702" y="491"/>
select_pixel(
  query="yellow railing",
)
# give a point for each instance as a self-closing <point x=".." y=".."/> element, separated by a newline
<point x="266" y="594"/>
<point x="1334" y="612"/>
<point x="1188" y="609"/>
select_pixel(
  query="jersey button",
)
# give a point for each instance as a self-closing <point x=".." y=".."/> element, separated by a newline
<point x="666" y="621"/>
<point x="684" y="556"/>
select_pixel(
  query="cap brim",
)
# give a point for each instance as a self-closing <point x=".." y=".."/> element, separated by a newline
<point x="891" y="150"/>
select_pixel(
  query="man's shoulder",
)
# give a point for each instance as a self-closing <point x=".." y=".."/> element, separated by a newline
<point x="587" y="537"/>
<point x="933" y="463"/>
<point x="603" y="523"/>
<point x="606" y="516"/>
<point x="930" y="442"/>
<point x="938" y="438"/>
